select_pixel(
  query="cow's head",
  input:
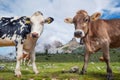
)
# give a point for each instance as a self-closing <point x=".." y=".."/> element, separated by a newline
<point x="37" y="22"/>
<point x="81" y="21"/>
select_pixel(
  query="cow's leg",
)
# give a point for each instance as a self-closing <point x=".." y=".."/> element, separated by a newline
<point x="86" y="59"/>
<point x="105" y="49"/>
<point x="33" y="62"/>
<point x="24" y="61"/>
<point x="21" y="61"/>
<point x="28" y="64"/>
<point x="19" y="50"/>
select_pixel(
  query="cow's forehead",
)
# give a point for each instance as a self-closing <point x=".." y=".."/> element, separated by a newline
<point x="78" y="17"/>
<point x="37" y="17"/>
<point x="80" y="14"/>
<point x="38" y="13"/>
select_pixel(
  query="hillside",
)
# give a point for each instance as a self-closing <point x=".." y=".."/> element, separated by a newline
<point x="71" y="47"/>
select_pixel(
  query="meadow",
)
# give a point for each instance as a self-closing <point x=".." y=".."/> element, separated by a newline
<point x="51" y="67"/>
<point x="52" y="71"/>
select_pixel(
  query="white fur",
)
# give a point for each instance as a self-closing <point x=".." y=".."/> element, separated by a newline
<point x="15" y="18"/>
<point x="33" y="63"/>
<point x="37" y="26"/>
<point x="19" y="56"/>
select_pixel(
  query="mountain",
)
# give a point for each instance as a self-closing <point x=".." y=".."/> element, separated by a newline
<point x="70" y="47"/>
<point x="57" y="47"/>
<point x="53" y="47"/>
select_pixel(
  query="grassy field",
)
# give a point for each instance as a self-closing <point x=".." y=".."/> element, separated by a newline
<point x="50" y="67"/>
<point x="52" y="71"/>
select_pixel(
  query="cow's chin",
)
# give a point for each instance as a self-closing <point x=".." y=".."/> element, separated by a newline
<point x="79" y="36"/>
<point x="79" y="40"/>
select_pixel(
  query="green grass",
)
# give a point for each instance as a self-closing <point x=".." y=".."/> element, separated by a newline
<point x="50" y="67"/>
<point x="52" y="70"/>
<point x="77" y="57"/>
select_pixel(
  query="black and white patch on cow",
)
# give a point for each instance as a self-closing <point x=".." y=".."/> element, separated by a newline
<point x="14" y="29"/>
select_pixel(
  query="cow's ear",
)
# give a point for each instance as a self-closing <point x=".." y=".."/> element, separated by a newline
<point x="49" y="20"/>
<point x="68" y="20"/>
<point x="27" y="21"/>
<point x="95" y="16"/>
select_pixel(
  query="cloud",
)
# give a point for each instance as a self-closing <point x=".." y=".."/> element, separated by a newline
<point x="59" y="9"/>
<point x="112" y="10"/>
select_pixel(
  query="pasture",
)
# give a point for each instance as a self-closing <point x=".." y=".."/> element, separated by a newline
<point x="51" y="67"/>
<point x="52" y="71"/>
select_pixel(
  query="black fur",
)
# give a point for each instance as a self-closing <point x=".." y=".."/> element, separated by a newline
<point x="10" y="27"/>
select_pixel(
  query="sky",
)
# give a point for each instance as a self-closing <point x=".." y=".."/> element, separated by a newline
<point x="59" y="10"/>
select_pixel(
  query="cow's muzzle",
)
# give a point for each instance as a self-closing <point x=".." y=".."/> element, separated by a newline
<point x="79" y="34"/>
<point x="35" y="35"/>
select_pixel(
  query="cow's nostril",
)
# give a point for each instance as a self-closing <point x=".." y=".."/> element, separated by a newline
<point x="77" y="34"/>
<point x="80" y="33"/>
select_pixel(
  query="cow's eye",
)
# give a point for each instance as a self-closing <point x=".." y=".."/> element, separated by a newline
<point x="86" y="19"/>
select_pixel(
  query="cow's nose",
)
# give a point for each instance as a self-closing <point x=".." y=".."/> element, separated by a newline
<point x="78" y="34"/>
<point x="35" y="35"/>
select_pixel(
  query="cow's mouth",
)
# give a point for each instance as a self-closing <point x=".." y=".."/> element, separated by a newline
<point x="78" y="35"/>
<point x="33" y="35"/>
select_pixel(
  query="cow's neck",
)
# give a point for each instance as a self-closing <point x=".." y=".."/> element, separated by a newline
<point x="29" y="43"/>
<point x="91" y="41"/>
<point x="31" y="40"/>
<point x="87" y="44"/>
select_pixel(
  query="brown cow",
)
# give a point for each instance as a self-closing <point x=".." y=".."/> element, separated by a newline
<point x="96" y="34"/>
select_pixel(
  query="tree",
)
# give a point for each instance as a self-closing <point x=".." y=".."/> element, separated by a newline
<point x="46" y="48"/>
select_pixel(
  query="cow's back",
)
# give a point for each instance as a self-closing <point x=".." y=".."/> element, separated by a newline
<point x="114" y="32"/>
<point x="14" y="28"/>
<point x="103" y="30"/>
<point x="107" y="29"/>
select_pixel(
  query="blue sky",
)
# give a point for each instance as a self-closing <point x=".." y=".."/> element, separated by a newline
<point x="59" y="9"/>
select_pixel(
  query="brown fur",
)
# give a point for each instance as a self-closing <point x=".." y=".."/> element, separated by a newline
<point x="101" y="59"/>
<point x="82" y="12"/>
<point x="101" y="31"/>
<point x="25" y="57"/>
<point x="99" y="34"/>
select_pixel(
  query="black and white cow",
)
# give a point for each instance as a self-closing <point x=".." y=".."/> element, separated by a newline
<point x="22" y="32"/>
